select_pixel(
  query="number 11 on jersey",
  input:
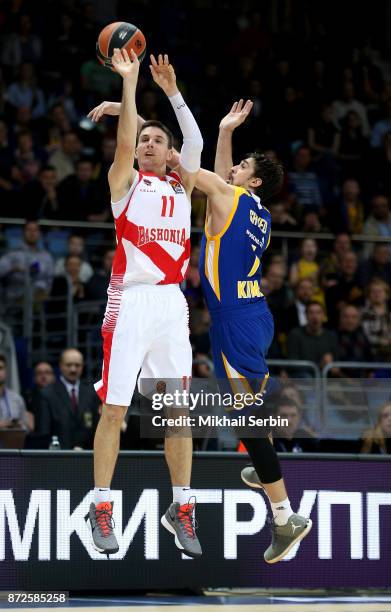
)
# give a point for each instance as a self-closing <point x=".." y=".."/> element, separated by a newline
<point x="164" y="206"/>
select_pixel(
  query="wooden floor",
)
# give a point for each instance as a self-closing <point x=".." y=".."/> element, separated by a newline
<point x="304" y="607"/>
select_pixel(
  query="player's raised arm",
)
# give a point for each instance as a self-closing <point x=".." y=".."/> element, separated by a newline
<point x="236" y="116"/>
<point x="122" y="172"/>
<point x="163" y="74"/>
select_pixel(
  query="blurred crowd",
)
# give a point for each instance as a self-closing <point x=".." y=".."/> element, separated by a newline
<point x="323" y="110"/>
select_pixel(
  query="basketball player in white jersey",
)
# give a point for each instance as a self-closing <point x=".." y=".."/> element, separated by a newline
<point x="146" y="321"/>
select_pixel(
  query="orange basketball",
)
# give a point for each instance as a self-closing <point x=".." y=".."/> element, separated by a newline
<point x="119" y="35"/>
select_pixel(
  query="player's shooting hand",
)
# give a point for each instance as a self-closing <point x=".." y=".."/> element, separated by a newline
<point x="236" y="116"/>
<point x="163" y="74"/>
<point x="104" y="108"/>
<point x="126" y="66"/>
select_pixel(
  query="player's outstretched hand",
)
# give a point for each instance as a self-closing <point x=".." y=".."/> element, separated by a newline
<point x="104" y="108"/>
<point x="127" y="66"/>
<point x="163" y="74"/>
<point x="236" y="116"/>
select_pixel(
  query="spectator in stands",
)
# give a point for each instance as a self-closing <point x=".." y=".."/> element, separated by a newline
<point x="26" y="93"/>
<point x="377" y="440"/>
<point x="312" y="341"/>
<point x="303" y="184"/>
<point x="199" y="330"/>
<point x="22" y="46"/>
<point x="64" y="159"/>
<point x="279" y="295"/>
<point x="351" y="209"/>
<point x="353" y="147"/>
<point x="13" y="413"/>
<point x="296" y="313"/>
<point x="353" y="343"/>
<point x="347" y="103"/>
<point x="331" y="265"/>
<point x="281" y="219"/>
<point x="377" y="266"/>
<point x="292" y="438"/>
<point x="381" y="127"/>
<point x="76" y="246"/>
<point x="96" y="288"/>
<point x="376" y="320"/>
<point x="28" y="158"/>
<point x="379" y="221"/>
<point x="29" y="262"/>
<point x="39" y="198"/>
<point x="346" y="290"/>
<point x="80" y="195"/>
<point x="71" y="275"/>
<point x="311" y="223"/>
<point x="192" y="290"/>
<point x="307" y="267"/>
<point x="324" y="137"/>
<point x="202" y="366"/>
<point x="57" y="124"/>
<point x="69" y="407"/>
<point x="43" y="377"/>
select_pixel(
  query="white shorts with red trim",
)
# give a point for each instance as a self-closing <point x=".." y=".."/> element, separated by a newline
<point x="145" y="327"/>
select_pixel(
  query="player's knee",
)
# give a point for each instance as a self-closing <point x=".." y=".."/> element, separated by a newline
<point x="114" y="414"/>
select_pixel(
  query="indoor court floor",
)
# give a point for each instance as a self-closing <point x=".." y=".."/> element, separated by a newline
<point x="216" y="603"/>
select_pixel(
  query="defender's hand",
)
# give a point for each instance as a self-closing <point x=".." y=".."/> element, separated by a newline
<point x="163" y="74"/>
<point x="126" y="66"/>
<point x="104" y="108"/>
<point x="236" y="116"/>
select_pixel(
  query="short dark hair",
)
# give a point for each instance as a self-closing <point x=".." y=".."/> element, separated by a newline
<point x="161" y="126"/>
<point x="314" y="303"/>
<point x="47" y="168"/>
<point x="3" y="360"/>
<point x="270" y="172"/>
<point x="287" y="402"/>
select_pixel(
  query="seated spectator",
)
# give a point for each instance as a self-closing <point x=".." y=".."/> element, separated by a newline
<point x="331" y="265"/>
<point x="193" y="291"/>
<point x="56" y="125"/>
<point x="282" y="221"/>
<point x="353" y="145"/>
<point x="28" y="262"/>
<point x="199" y="330"/>
<point x="376" y="320"/>
<point x="307" y="267"/>
<point x="96" y="288"/>
<point x="324" y="137"/>
<point x="22" y="46"/>
<point x="377" y="266"/>
<point x="28" y="158"/>
<point x="311" y="224"/>
<point x="39" y="198"/>
<point x="353" y="343"/>
<point x="351" y="209"/>
<point x="296" y="313"/>
<point x="13" y="413"/>
<point x="43" y="377"/>
<point x="346" y="290"/>
<point x="80" y="195"/>
<point x="379" y="221"/>
<point x="303" y="184"/>
<point x="25" y="92"/>
<point x="202" y="366"/>
<point x="292" y="438"/>
<point x="69" y="407"/>
<point x="279" y="295"/>
<point x="347" y="103"/>
<point x="377" y="440"/>
<point x="64" y="159"/>
<point x="70" y="278"/>
<point x="381" y="127"/>
<point x="312" y="341"/>
<point x="76" y="246"/>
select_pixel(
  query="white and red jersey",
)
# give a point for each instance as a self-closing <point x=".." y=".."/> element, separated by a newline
<point x="152" y="223"/>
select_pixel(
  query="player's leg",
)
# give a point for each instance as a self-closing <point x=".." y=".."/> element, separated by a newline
<point x="170" y="359"/>
<point x="125" y="338"/>
<point x="239" y="353"/>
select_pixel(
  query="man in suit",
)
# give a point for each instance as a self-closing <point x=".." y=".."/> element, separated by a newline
<point x="69" y="407"/>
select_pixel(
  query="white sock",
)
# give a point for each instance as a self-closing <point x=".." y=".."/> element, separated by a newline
<point x="282" y="511"/>
<point x="102" y="494"/>
<point x="181" y="495"/>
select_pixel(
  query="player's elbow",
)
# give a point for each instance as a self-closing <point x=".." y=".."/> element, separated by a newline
<point x="190" y="157"/>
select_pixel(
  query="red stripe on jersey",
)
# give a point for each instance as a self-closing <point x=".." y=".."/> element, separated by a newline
<point x="172" y="268"/>
<point x="119" y="262"/>
<point x="107" y="343"/>
<point x="176" y="177"/>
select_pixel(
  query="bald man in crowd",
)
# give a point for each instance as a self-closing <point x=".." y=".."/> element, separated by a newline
<point x="69" y="407"/>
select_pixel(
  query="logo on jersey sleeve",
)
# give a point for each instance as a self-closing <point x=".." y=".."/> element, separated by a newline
<point x="177" y="187"/>
<point x="258" y="221"/>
